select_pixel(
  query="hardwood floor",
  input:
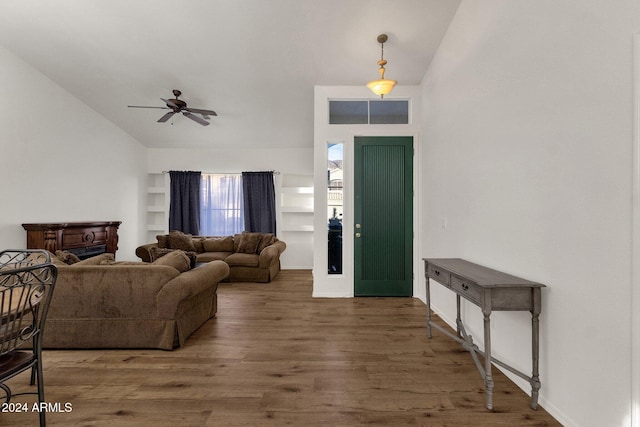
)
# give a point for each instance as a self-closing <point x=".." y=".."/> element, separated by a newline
<point x="275" y="356"/>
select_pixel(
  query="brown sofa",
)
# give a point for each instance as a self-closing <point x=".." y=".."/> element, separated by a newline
<point x="252" y="257"/>
<point x="101" y="304"/>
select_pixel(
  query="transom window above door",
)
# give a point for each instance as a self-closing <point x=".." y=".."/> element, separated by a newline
<point x="368" y="111"/>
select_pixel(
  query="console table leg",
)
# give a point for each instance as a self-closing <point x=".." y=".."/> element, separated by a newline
<point x="488" y="378"/>
<point x="458" y="318"/>
<point x="428" y="299"/>
<point x="535" y="345"/>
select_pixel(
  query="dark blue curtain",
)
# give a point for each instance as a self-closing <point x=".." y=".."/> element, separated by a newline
<point x="259" y="196"/>
<point x="184" y="207"/>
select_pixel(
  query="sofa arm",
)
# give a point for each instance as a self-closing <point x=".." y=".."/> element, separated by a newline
<point x="144" y="251"/>
<point x="271" y="254"/>
<point x="189" y="284"/>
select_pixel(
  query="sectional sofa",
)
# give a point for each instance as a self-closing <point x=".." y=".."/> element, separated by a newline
<point x="251" y="257"/>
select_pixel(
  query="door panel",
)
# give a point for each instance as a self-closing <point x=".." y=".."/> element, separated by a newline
<point x="383" y="235"/>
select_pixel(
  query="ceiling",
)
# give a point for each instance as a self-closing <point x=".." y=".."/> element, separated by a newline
<point x="255" y="62"/>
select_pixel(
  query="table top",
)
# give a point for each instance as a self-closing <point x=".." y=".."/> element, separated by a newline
<point x="483" y="276"/>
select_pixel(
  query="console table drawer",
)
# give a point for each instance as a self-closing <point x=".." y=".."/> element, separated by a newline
<point x="467" y="289"/>
<point x="439" y="275"/>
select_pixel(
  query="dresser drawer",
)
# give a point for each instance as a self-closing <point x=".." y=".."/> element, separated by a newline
<point x="438" y="274"/>
<point x="467" y="289"/>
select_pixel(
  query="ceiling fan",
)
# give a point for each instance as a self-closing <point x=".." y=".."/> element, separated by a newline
<point x="179" y="106"/>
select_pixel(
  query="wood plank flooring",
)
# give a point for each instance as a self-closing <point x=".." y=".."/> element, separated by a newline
<point x="274" y="356"/>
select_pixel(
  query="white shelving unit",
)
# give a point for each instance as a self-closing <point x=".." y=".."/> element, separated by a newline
<point x="295" y="225"/>
<point x="157" y="205"/>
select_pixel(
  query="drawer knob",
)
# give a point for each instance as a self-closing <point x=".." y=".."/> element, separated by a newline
<point x="437" y="272"/>
<point x="465" y="286"/>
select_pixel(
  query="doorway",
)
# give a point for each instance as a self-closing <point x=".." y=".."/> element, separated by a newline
<point x="383" y="216"/>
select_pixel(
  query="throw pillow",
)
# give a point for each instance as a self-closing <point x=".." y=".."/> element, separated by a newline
<point x="176" y="259"/>
<point x="156" y="253"/>
<point x="218" y="244"/>
<point x="163" y="240"/>
<point x="198" y="243"/>
<point x="67" y="257"/>
<point x="180" y="240"/>
<point x="267" y="240"/>
<point x="249" y="243"/>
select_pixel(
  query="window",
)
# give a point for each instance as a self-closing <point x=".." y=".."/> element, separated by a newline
<point x="348" y="112"/>
<point x="373" y="112"/>
<point x="221" y="207"/>
<point x="388" y="112"/>
<point x="335" y="207"/>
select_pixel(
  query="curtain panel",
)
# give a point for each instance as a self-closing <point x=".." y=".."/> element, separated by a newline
<point x="184" y="207"/>
<point x="259" y="202"/>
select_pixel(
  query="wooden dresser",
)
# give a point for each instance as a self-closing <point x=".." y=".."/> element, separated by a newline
<point x="84" y="239"/>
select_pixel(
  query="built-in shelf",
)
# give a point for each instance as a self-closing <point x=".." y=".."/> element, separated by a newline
<point x="297" y="190"/>
<point x="295" y="223"/>
<point x="157" y="205"/>
<point x="298" y="228"/>
<point x="296" y="209"/>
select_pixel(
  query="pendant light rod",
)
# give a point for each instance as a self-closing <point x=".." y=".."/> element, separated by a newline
<point x="382" y="86"/>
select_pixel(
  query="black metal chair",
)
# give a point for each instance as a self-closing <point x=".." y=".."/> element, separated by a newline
<point x="27" y="280"/>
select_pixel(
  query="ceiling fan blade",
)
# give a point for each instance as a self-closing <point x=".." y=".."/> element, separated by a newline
<point x="166" y="117"/>
<point x="203" y="112"/>
<point x="197" y="119"/>
<point x="142" y="106"/>
<point x="170" y="103"/>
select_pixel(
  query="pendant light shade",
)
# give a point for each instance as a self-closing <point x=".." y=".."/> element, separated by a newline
<point x="382" y="86"/>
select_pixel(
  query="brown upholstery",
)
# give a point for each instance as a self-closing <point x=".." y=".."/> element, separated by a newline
<point x="261" y="265"/>
<point x="131" y="305"/>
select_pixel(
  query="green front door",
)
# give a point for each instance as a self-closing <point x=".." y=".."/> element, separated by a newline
<point x="383" y="235"/>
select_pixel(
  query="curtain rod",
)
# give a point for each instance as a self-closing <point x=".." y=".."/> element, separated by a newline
<point x="233" y="173"/>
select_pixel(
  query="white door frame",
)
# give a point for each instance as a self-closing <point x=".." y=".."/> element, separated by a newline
<point x="635" y="252"/>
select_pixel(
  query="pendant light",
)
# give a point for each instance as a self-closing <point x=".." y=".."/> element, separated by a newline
<point x="382" y="86"/>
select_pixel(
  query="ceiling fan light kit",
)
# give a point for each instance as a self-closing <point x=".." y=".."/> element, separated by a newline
<point x="382" y="86"/>
<point x="179" y="106"/>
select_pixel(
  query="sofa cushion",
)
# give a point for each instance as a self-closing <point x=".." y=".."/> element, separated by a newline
<point x="180" y="240"/>
<point x="218" y="244"/>
<point x="241" y="259"/>
<point x="212" y="256"/>
<point x="67" y="257"/>
<point x="249" y="243"/>
<point x="176" y="259"/>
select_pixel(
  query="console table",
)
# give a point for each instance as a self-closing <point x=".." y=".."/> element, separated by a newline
<point x="84" y="239"/>
<point x="490" y="290"/>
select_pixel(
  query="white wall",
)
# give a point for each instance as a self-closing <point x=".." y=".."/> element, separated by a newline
<point x="284" y="160"/>
<point x="527" y="129"/>
<point x="61" y="161"/>
<point x="296" y="161"/>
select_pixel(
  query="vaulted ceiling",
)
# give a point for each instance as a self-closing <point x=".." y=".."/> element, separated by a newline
<point x="255" y="62"/>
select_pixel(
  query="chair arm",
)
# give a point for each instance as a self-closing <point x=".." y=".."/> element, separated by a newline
<point x="144" y="251"/>
<point x="271" y="254"/>
<point x="189" y="284"/>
